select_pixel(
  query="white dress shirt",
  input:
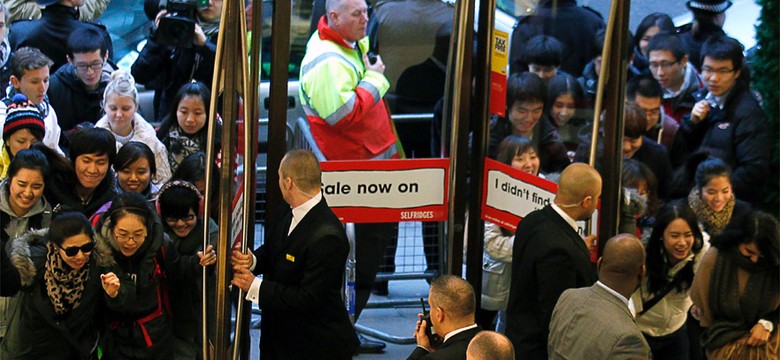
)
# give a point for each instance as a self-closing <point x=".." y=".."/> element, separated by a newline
<point x="298" y="213"/>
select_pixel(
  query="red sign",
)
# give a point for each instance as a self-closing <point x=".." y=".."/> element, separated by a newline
<point x="369" y="191"/>
<point x="509" y="194"/>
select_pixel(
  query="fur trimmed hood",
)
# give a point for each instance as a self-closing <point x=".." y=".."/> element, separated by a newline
<point x="28" y="254"/>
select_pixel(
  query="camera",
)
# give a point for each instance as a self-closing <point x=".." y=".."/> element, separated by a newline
<point x="177" y="26"/>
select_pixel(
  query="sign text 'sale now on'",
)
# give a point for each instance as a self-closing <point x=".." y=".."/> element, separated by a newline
<point x="386" y="190"/>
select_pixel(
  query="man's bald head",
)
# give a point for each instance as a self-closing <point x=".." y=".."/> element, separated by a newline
<point x="304" y="169"/>
<point x="622" y="261"/>
<point x="576" y="183"/>
<point x="490" y="345"/>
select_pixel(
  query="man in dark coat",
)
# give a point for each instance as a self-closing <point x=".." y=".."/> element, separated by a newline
<point x="525" y="97"/>
<point x="165" y="68"/>
<point x="303" y="265"/>
<point x="639" y="147"/>
<point x="451" y="316"/>
<point x="549" y="257"/>
<point x="574" y="26"/>
<point x="76" y="89"/>
<point x="727" y="120"/>
<point x="646" y="92"/>
<point x="50" y="33"/>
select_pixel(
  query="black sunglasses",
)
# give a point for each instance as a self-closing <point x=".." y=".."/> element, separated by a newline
<point x="85" y="249"/>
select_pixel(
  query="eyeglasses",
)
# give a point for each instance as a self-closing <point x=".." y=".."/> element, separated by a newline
<point x="136" y="238"/>
<point x="83" y="68"/>
<point x="721" y="71"/>
<point x="662" y="65"/>
<point x="175" y="219"/>
<point x="74" y="250"/>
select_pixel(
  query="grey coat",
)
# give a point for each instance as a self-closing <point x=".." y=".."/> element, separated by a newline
<point x="592" y="323"/>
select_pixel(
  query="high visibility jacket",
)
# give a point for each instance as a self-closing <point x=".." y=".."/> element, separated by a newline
<point x="343" y="100"/>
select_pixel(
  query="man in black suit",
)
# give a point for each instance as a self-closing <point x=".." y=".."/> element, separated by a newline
<point x="452" y="304"/>
<point x="549" y="257"/>
<point x="304" y="316"/>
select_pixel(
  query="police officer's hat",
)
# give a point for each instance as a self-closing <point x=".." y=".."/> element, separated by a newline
<point x="46" y="2"/>
<point x="712" y="6"/>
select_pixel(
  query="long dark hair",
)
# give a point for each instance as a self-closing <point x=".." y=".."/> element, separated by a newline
<point x="32" y="159"/>
<point x="698" y="170"/>
<point x="67" y="224"/>
<point x="633" y="173"/>
<point x="759" y="228"/>
<point x="656" y="260"/>
<point x="659" y="19"/>
<point x="131" y="152"/>
<point x="131" y="203"/>
<point x="195" y="88"/>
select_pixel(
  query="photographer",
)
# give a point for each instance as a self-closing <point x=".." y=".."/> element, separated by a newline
<point x="164" y="66"/>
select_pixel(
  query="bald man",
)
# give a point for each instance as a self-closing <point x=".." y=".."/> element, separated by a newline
<point x="549" y="256"/>
<point x="595" y="322"/>
<point x="490" y="345"/>
<point x="302" y="263"/>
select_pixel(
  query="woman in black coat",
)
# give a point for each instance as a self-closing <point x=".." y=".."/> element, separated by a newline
<point x="140" y="325"/>
<point x="62" y="297"/>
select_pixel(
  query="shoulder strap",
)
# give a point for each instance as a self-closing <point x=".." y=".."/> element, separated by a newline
<point x="5" y="219"/>
<point x="647" y="305"/>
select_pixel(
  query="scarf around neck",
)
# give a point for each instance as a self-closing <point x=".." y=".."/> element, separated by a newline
<point x="181" y="145"/>
<point x="734" y="313"/>
<point x="63" y="284"/>
<point x="714" y="222"/>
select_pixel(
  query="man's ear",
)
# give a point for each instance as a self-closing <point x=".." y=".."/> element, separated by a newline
<point x="15" y="81"/>
<point x="440" y="314"/>
<point x="105" y="58"/>
<point x="684" y="61"/>
<point x="598" y="264"/>
<point x="586" y="202"/>
<point x="70" y="61"/>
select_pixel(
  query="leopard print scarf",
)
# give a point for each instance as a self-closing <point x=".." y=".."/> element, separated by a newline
<point x="63" y="284"/>
<point x="714" y="222"/>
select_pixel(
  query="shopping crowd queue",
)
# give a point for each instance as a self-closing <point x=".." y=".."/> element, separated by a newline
<point x="102" y="222"/>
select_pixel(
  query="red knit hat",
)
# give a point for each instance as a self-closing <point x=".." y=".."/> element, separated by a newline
<point x="22" y="114"/>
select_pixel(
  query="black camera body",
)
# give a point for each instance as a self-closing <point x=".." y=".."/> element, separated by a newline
<point x="177" y="26"/>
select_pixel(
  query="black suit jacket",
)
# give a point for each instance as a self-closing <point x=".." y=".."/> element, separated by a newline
<point x="548" y="258"/>
<point x="453" y="349"/>
<point x="304" y="316"/>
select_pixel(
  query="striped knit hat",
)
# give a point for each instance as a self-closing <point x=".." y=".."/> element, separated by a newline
<point x="22" y="114"/>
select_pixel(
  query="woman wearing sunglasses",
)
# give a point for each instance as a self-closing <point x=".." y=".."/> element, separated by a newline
<point x="62" y="292"/>
<point x="140" y="325"/>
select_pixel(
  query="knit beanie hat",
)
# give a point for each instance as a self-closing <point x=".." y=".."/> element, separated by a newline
<point x="22" y="114"/>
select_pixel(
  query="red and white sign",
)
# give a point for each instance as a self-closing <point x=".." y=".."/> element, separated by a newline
<point x="509" y="195"/>
<point x="369" y="191"/>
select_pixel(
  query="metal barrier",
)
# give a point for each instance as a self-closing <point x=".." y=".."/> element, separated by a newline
<point x="418" y="252"/>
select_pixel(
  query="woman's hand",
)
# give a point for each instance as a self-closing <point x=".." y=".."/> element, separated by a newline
<point x="758" y="336"/>
<point x="208" y="257"/>
<point x="110" y="284"/>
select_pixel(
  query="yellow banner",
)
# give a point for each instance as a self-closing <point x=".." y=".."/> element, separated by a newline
<point x="500" y="57"/>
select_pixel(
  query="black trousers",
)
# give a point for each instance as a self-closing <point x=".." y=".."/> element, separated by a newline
<point x="371" y="240"/>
